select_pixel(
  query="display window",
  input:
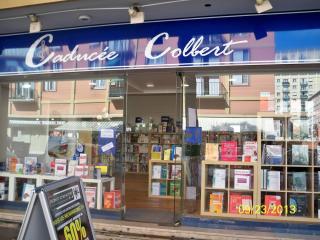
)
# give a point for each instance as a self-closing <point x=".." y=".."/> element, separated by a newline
<point x="259" y="146"/>
<point x="161" y="145"/>
<point x="61" y="128"/>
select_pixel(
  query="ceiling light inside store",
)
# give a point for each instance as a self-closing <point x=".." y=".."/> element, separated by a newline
<point x="186" y="85"/>
<point x="263" y="6"/>
<point x="150" y="85"/>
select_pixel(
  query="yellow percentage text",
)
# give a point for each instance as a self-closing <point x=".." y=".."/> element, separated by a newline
<point x="75" y="231"/>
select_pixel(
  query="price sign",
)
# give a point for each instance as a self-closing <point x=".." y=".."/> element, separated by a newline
<point x="64" y="210"/>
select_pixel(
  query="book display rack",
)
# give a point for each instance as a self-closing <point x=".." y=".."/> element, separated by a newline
<point x="165" y="178"/>
<point x="143" y="146"/>
<point x="272" y="174"/>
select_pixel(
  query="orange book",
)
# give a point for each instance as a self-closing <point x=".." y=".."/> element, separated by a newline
<point x="112" y="199"/>
<point x="216" y="202"/>
<point x="109" y="200"/>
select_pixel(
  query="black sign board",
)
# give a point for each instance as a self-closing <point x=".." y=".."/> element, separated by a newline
<point x="64" y="209"/>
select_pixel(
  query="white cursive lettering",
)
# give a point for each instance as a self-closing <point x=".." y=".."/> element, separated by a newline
<point x="72" y="56"/>
<point x="192" y="48"/>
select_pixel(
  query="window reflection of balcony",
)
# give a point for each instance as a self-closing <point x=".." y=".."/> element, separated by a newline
<point x="215" y="93"/>
<point x="22" y="92"/>
<point x="116" y="89"/>
<point x="285" y="84"/>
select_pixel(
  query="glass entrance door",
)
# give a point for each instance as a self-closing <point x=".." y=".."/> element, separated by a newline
<point x="153" y="147"/>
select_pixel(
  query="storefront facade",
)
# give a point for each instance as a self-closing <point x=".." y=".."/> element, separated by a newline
<point x="214" y="117"/>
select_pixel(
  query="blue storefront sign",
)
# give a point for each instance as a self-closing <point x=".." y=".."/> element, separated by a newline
<point x="265" y="39"/>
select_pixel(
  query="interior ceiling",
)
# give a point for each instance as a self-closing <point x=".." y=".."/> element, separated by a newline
<point x="175" y="9"/>
<point x="163" y="82"/>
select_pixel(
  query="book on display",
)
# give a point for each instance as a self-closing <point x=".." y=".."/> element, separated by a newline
<point x="300" y="155"/>
<point x="219" y="178"/>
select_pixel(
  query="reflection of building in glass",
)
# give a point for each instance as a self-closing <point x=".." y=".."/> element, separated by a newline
<point x="292" y="91"/>
<point x="315" y="100"/>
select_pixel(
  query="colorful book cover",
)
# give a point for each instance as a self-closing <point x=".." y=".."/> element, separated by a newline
<point x="78" y="172"/>
<point x="164" y="172"/>
<point x="300" y="155"/>
<point x="235" y="203"/>
<point x="163" y="189"/>
<point x="246" y="204"/>
<point x="273" y="180"/>
<point x="156" y="151"/>
<point x="166" y="154"/>
<point x="216" y="202"/>
<point x="212" y="151"/>
<point x="117" y="198"/>
<point x="91" y="196"/>
<point x="300" y="203"/>
<point x="19" y="168"/>
<point x="273" y="154"/>
<point x="155" y="188"/>
<point x="177" y="153"/>
<point x="242" y="179"/>
<point x="109" y="200"/>
<point x="229" y="151"/>
<point x="299" y="181"/>
<point x="175" y="171"/>
<point x="219" y="178"/>
<point x="250" y="151"/>
<point x="156" y="171"/>
<point x="174" y="188"/>
<point x="28" y="190"/>
<point x="272" y="202"/>
<point x="83" y="159"/>
<point x="60" y="167"/>
<point x="30" y="165"/>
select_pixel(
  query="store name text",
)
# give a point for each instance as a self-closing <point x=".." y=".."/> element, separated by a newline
<point x="192" y="48"/>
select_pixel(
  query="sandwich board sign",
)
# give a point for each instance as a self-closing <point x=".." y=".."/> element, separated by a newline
<point x="58" y="211"/>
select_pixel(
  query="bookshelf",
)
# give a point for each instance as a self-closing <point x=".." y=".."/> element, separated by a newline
<point x="139" y="148"/>
<point x="286" y="173"/>
<point x="220" y="177"/>
<point x="296" y="170"/>
<point x="165" y="178"/>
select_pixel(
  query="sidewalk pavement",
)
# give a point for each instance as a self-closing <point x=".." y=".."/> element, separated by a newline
<point x="111" y="229"/>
